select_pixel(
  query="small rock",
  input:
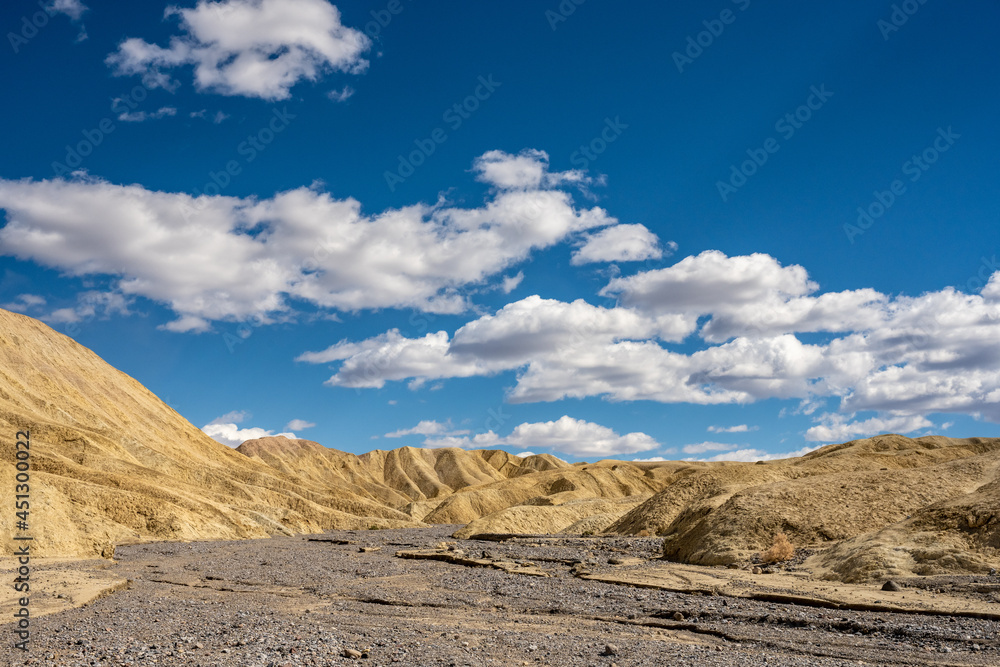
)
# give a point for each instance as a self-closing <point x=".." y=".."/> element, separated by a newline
<point x="891" y="586"/>
<point x="756" y="570"/>
<point x="678" y="616"/>
<point x="616" y="561"/>
<point x="351" y="653"/>
<point x="610" y="649"/>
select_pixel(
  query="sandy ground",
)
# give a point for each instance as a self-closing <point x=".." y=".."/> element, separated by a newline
<point x="418" y="597"/>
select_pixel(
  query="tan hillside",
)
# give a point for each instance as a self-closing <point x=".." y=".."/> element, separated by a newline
<point x="322" y="466"/>
<point x="573" y="516"/>
<point x="862" y="489"/>
<point x="602" y="480"/>
<point x="959" y="535"/>
<point x="113" y="463"/>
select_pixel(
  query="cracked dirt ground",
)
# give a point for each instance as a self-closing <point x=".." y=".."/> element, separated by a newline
<point x="418" y="597"/>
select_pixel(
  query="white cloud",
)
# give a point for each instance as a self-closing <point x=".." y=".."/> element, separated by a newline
<point x="579" y="438"/>
<point x="90" y="305"/>
<point x="478" y="441"/>
<point x="510" y="283"/>
<point x="903" y="357"/>
<point x="253" y="48"/>
<point x="341" y="95"/>
<point x="298" y="425"/>
<point x="427" y="427"/>
<point x="71" y="8"/>
<point x="740" y="428"/>
<point x="840" y="428"/>
<point x="234" y="417"/>
<point x="525" y="455"/>
<point x="751" y="455"/>
<point x="702" y="447"/>
<point x="219" y="117"/>
<point x="566" y="435"/>
<point x="216" y="258"/>
<point x="25" y="302"/>
<point x="231" y="435"/>
<point x="140" y="116"/>
<point x="620" y="243"/>
<point x="710" y="282"/>
<point x="528" y="170"/>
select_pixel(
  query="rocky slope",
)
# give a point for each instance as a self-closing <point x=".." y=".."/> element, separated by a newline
<point x="111" y="463"/>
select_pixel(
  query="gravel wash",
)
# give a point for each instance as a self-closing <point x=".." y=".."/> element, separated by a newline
<point x="344" y="598"/>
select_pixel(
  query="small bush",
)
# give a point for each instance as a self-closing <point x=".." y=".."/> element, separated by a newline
<point x="780" y="551"/>
<point x="643" y="533"/>
<point x="374" y="526"/>
<point x="587" y="533"/>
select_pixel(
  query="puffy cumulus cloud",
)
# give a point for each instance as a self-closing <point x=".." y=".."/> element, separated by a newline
<point x="216" y="258"/>
<point x="841" y="427"/>
<point x="620" y="243"/>
<point x="902" y="356"/>
<point x="427" y="427"/>
<point x="528" y="170"/>
<point x="524" y="332"/>
<point x="710" y="282"/>
<point x="252" y="48"/>
<point x="298" y="425"/>
<point x="231" y="435"/>
<point x="566" y="435"/>
<point x="578" y="438"/>
<point x="992" y="290"/>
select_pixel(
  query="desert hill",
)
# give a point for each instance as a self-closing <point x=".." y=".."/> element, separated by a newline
<point x="410" y="479"/>
<point x="112" y="463"/>
<point x="902" y="505"/>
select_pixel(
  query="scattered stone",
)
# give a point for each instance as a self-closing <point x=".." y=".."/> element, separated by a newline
<point x="351" y="653"/>
<point x="610" y="649"/>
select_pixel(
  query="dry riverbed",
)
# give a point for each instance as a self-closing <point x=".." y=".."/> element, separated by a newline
<point x="419" y="597"/>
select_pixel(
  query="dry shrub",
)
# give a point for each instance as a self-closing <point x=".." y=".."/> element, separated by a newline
<point x="780" y="551"/>
<point x="643" y="533"/>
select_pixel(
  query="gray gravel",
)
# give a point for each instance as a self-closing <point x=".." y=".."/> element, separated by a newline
<point x="298" y="601"/>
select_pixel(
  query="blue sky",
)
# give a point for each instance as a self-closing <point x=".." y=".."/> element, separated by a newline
<point x="732" y="230"/>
